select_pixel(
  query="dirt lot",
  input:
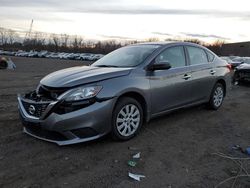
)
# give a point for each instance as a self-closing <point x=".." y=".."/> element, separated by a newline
<point x="176" y="150"/>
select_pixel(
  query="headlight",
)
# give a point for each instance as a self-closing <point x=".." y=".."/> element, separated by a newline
<point x="81" y="93"/>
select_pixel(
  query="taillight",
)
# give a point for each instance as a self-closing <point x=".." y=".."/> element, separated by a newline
<point x="229" y="66"/>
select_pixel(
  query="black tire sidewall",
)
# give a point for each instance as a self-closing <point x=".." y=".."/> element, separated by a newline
<point x="120" y="104"/>
<point x="3" y="64"/>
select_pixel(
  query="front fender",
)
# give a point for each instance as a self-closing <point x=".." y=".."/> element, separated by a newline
<point x="117" y="87"/>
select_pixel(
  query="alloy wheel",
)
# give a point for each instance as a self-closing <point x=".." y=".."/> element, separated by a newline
<point x="218" y="96"/>
<point x="128" y="120"/>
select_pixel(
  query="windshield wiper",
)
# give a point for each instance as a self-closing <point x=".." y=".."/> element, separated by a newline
<point x="106" y="66"/>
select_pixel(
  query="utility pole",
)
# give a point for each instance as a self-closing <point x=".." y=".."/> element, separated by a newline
<point x="28" y="34"/>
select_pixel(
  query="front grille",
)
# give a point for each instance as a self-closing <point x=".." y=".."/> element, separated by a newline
<point x="36" y="130"/>
<point x="50" y="93"/>
<point x="35" y="109"/>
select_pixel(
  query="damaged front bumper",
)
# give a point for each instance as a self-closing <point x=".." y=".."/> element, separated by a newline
<point x="242" y="75"/>
<point x="41" y="120"/>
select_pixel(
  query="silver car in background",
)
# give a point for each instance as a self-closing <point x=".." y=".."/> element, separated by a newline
<point x="123" y="90"/>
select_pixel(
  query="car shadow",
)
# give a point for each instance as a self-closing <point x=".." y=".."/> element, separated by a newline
<point x="151" y="126"/>
<point x="179" y="112"/>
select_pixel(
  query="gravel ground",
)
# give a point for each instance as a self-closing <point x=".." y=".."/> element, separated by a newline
<point x="176" y="149"/>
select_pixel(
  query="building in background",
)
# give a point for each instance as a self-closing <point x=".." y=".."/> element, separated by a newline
<point x="235" y="49"/>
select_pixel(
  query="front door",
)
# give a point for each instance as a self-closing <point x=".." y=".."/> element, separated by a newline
<point x="170" y="88"/>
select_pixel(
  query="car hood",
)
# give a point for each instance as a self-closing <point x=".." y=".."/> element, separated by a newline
<point x="243" y="66"/>
<point x="235" y="62"/>
<point x="82" y="75"/>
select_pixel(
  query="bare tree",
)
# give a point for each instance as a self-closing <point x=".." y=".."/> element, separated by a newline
<point x="4" y="36"/>
<point x="64" y="40"/>
<point x="196" y="41"/>
<point x="56" y="41"/>
<point x="68" y="43"/>
<point x="218" y="43"/>
<point x="12" y="36"/>
<point x="216" y="47"/>
<point x="77" y="42"/>
<point x="39" y="38"/>
<point x="152" y="40"/>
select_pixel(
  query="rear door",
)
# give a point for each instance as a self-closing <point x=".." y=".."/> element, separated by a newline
<point x="170" y="88"/>
<point x="202" y="71"/>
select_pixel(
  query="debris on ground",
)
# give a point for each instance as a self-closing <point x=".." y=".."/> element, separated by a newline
<point x="132" y="163"/>
<point x="237" y="176"/>
<point x="137" y="156"/>
<point x="136" y="177"/>
<point x="236" y="83"/>
<point x="11" y="64"/>
<point x="248" y="151"/>
<point x="239" y="148"/>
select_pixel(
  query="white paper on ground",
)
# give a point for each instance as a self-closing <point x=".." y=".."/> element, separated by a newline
<point x="137" y="156"/>
<point x="136" y="176"/>
<point x="11" y="65"/>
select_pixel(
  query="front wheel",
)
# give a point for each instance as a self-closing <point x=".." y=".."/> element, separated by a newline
<point x="127" y="119"/>
<point x="217" y="96"/>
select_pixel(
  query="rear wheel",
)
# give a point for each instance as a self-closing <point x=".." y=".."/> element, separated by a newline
<point x="127" y="119"/>
<point x="217" y="96"/>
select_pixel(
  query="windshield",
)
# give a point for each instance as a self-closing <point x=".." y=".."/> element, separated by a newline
<point x="129" y="56"/>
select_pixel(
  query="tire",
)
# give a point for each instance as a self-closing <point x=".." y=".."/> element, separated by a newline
<point x="127" y="119"/>
<point x="3" y="64"/>
<point x="217" y="96"/>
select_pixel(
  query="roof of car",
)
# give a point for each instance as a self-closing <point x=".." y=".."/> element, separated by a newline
<point x="167" y="43"/>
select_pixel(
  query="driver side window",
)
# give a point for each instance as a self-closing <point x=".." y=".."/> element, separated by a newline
<point x="175" y="56"/>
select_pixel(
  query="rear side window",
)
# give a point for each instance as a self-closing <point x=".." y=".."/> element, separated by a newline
<point x="197" y="55"/>
<point x="210" y="56"/>
<point x="175" y="56"/>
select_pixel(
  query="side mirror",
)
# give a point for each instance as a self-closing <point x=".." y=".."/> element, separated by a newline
<point x="160" y="66"/>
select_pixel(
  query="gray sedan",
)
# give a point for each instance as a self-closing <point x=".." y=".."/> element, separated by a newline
<point x="123" y="90"/>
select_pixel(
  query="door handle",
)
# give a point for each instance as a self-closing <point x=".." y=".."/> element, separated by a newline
<point x="186" y="76"/>
<point x="212" y="72"/>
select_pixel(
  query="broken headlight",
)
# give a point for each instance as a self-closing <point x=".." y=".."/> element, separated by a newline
<point x="80" y="93"/>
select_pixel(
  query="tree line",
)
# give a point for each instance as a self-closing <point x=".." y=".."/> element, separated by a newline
<point x="12" y="40"/>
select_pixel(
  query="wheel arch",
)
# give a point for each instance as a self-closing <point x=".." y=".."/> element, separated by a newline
<point x="223" y="83"/>
<point x="138" y="97"/>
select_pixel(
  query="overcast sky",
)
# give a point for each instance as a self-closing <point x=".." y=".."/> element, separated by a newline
<point x="132" y="19"/>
